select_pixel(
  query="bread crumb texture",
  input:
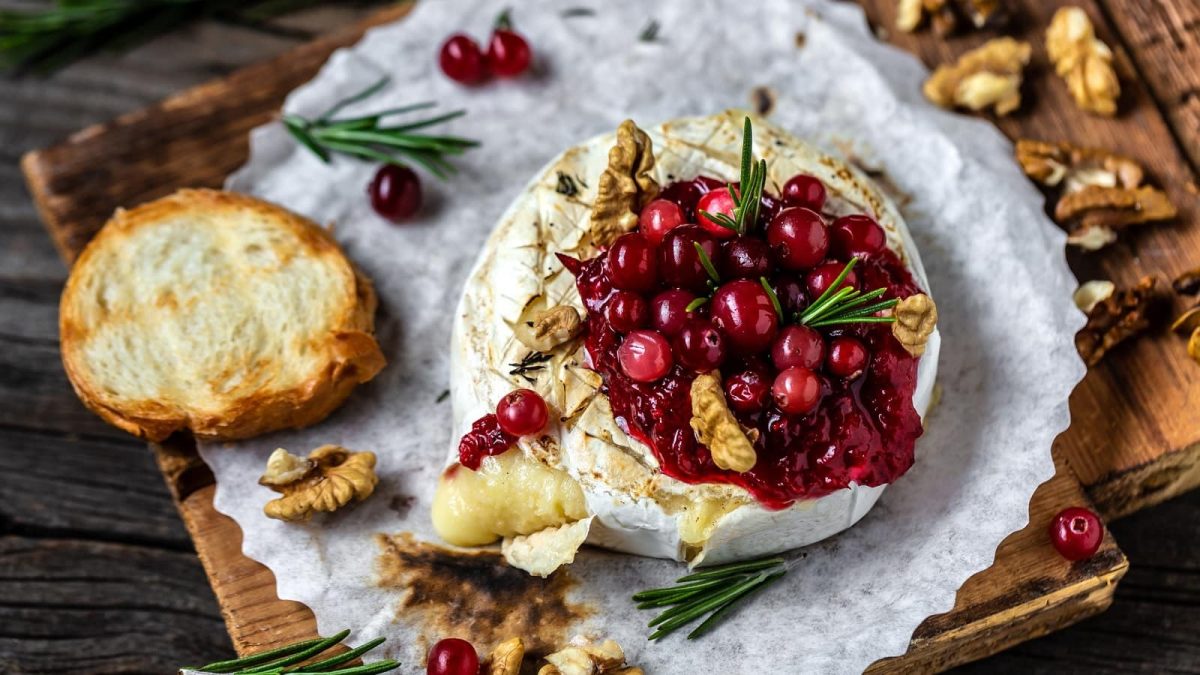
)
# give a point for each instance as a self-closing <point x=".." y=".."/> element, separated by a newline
<point x="217" y="313"/>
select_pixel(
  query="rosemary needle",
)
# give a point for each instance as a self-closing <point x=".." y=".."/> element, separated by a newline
<point x="287" y="660"/>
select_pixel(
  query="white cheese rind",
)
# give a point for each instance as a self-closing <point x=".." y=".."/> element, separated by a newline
<point x="636" y="509"/>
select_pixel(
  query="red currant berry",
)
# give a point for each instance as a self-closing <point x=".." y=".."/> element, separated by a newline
<point x="452" y="656"/>
<point x="395" y="192"/>
<point x="796" y="390"/>
<point x="678" y="262"/>
<point x="1076" y="533"/>
<point x="747" y="391"/>
<point x="522" y="413"/>
<point x="857" y="235"/>
<point x="700" y="346"/>
<point x="791" y="295"/>
<point x="631" y="263"/>
<point x="461" y="60"/>
<point x="668" y="311"/>
<point x="798" y="238"/>
<point x="745" y="258"/>
<point x="821" y="277"/>
<point x="717" y="201"/>
<point x="798" y="346"/>
<point x="804" y="190"/>
<point x="645" y="356"/>
<point x="508" y="54"/>
<point x="659" y="217"/>
<point x="744" y="312"/>
<point x="626" y="311"/>
<point x="847" y="357"/>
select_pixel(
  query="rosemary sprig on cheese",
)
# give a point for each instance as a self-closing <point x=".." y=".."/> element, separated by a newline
<point x="840" y="306"/>
<point x="286" y="659"/>
<point x="367" y="137"/>
<point x="712" y="592"/>
<point x="747" y="196"/>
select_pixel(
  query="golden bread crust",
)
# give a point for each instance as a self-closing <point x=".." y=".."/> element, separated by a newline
<point x="243" y="396"/>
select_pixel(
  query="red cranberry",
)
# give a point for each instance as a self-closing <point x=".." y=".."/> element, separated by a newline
<point x="768" y="208"/>
<point x="798" y="238"/>
<point x="508" y="54"/>
<point x="717" y="201"/>
<point x="684" y="194"/>
<point x="857" y="235"/>
<point x="452" y="656"/>
<point x="747" y="391"/>
<point x="678" y="261"/>
<point x="461" y="60"/>
<point x="485" y="438"/>
<point x="708" y="183"/>
<point x="745" y="258"/>
<point x="631" y="263"/>
<point x="847" y="357"/>
<point x="700" y="346"/>
<point x="791" y="295"/>
<point x="744" y="311"/>
<point x="796" y="390"/>
<point x="1076" y="533"/>
<point x="804" y="190"/>
<point x="395" y="192"/>
<point x="668" y="310"/>
<point x="626" y="311"/>
<point x="798" y="346"/>
<point x="522" y="413"/>
<point x="645" y="356"/>
<point x="821" y="277"/>
<point x="659" y="217"/>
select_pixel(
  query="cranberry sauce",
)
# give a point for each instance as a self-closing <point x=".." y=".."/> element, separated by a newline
<point x="863" y="430"/>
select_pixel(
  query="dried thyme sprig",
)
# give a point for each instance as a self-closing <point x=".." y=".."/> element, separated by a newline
<point x="839" y="306"/>
<point x="290" y="659"/>
<point x="713" y="592"/>
<point x="366" y="137"/>
<point x="747" y="196"/>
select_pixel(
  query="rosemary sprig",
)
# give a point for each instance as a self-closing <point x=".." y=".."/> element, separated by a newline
<point x="366" y="137"/>
<point x="530" y="363"/>
<point x="838" y="306"/>
<point x="747" y="197"/>
<point x="713" y="592"/>
<point x="289" y="659"/>
<point x="714" y="279"/>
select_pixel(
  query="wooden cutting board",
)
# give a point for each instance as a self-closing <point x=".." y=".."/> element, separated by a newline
<point x="1135" y="436"/>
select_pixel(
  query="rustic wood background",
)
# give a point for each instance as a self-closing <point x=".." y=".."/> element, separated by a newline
<point x="91" y="553"/>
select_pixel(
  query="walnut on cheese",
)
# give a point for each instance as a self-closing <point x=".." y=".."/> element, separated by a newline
<point x="1094" y="214"/>
<point x="1083" y="61"/>
<point x="549" y="328"/>
<point x="717" y="428"/>
<point x="327" y="480"/>
<point x="987" y="76"/>
<point x="916" y="317"/>
<point x="625" y="187"/>
<point x="587" y="657"/>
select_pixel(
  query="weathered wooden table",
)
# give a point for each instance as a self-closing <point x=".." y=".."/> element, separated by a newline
<point x="96" y="575"/>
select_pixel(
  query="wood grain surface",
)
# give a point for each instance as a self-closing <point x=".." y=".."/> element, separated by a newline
<point x="31" y="280"/>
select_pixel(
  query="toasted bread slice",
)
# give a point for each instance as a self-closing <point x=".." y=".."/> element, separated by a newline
<point x="216" y="313"/>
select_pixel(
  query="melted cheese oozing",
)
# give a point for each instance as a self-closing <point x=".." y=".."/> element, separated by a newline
<point x="509" y="495"/>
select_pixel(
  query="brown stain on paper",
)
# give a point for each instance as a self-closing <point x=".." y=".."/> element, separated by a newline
<point x="476" y="595"/>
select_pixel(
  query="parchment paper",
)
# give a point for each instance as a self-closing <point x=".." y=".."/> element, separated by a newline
<point x="995" y="265"/>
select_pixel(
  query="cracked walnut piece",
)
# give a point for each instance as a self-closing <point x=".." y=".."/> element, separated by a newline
<point x="989" y="75"/>
<point x="916" y="317"/>
<point x="1083" y="61"/>
<point x="625" y="187"/>
<point x="1114" y="319"/>
<point x="587" y="657"/>
<point x="1188" y="325"/>
<point x="945" y="14"/>
<point x="1094" y="214"/>
<point x="506" y="658"/>
<point x="717" y="428"/>
<point x="327" y="480"/>
<point x="1075" y="168"/>
<point x="549" y="328"/>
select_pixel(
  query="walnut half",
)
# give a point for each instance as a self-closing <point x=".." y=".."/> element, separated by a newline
<point x="332" y="477"/>
<point x="1083" y="61"/>
<point x="988" y="76"/>
<point x="1075" y="168"/>
<point x="626" y="185"/>
<point x="1094" y="214"/>
<point x="717" y="428"/>
<point x="588" y="657"/>
<point x="1117" y="317"/>
<point x="546" y="329"/>
<point x="916" y="317"/>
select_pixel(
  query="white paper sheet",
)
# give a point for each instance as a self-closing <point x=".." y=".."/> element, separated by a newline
<point x="995" y="264"/>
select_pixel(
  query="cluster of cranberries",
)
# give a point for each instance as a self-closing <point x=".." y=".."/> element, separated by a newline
<point x="508" y="55"/>
<point x="452" y="656"/>
<point x="671" y="309"/>
<point x="520" y="413"/>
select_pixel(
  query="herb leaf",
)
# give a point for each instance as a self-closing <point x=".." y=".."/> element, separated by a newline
<point x="844" y="305"/>
<point x="713" y="592"/>
<point x="706" y="263"/>
<point x="286" y="659"/>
